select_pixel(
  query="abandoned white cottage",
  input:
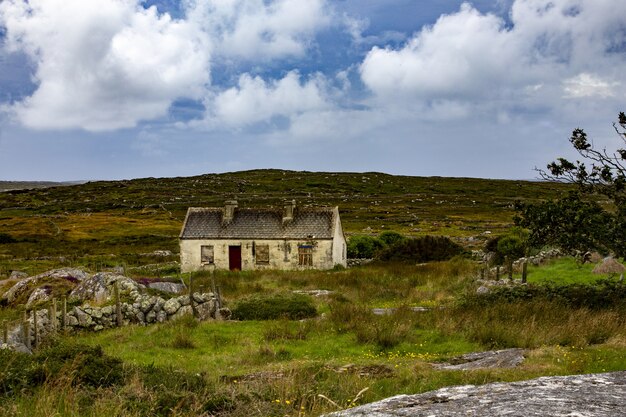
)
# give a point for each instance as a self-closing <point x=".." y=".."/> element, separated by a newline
<point x="251" y="238"/>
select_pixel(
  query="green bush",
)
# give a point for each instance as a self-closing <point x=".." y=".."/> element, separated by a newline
<point x="390" y="237"/>
<point x="16" y="371"/>
<point x="599" y="295"/>
<point x="361" y="246"/>
<point x="421" y="249"/>
<point x="275" y="306"/>
<point x="89" y="365"/>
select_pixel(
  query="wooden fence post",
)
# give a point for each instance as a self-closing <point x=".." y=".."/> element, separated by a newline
<point x="498" y="273"/>
<point x="64" y="315"/>
<point x="5" y="335"/>
<point x="26" y="330"/>
<point x="53" y="319"/>
<point x="193" y="307"/>
<point x="35" y="329"/>
<point x="524" y="271"/>
<point x="118" y="304"/>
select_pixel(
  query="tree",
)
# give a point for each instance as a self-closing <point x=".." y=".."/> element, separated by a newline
<point x="578" y="221"/>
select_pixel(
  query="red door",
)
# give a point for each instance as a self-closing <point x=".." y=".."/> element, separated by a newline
<point x="234" y="258"/>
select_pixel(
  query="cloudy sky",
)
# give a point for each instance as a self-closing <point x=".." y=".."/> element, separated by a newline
<point x="111" y="89"/>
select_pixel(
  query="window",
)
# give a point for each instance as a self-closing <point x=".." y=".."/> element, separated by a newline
<point x="262" y="254"/>
<point x="305" y="255"/>
<point x="206" y="254"/>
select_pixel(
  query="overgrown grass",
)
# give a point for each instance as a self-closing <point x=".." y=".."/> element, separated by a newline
<point x="566" y="270"/>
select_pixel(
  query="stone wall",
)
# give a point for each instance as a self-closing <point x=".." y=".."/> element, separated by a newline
<point x="144" y="310"/>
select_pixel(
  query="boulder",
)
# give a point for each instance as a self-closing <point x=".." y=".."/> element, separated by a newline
<point x="40" y="294"/>
<point x="22" y="286"/>
<point x="609" y="266"/>
<point x="19" y="275"/>
<point x="506" y="358"/>
<point x="171" y="306"/>
<point x="100" y="287"/>
<point x="183" y="311"/>
<point x="169" y="287"/>
<point x="593" y="395"/>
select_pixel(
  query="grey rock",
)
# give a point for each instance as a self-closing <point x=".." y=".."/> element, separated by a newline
<point x="98" y="328"/>
<point x="161" y="316"/>
<point x="171" y="306"/>
<point x="18" y="275"/>
<point x="146" y="304"/>
<point x="108" y="310"/>
<point x="40" y="294"/>
<point x="158" y="306"/>
<point x="223" y="313"/>
<point x="140" y="317"/>
<point x="72" y="320"/>
<point x="506" y="358"/>
<point x="183" y="311"/>
<point x="206" y="310"/>
<point x="151" y="317"/>
<point x="23" y="285"/>
<point x="170" y="287"/>
<point x="96" y="313"/>
<point x="184" y="300"/>
<point x="593" y="395"/>
<point x="93" y="288"/>
<point x="83" y="319"/>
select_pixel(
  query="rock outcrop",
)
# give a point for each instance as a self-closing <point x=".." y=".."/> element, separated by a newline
<point x="593" y="395"/>
<point x="506" y="358"/>
<point x="24" y="285"/>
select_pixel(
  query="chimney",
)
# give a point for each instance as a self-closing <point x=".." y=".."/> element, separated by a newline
<point x="288" y="212"/>
<point x="229" y="210"/>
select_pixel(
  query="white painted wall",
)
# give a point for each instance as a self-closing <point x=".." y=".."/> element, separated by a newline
<point x="283" y="253"/>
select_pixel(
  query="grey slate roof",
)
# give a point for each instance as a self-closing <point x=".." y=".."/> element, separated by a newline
<point x="251" y="223"/>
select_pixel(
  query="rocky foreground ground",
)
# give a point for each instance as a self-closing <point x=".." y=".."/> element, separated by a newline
<point x="593" y="395"/>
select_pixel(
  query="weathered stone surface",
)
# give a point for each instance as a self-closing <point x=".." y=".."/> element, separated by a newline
<point x="161" y="316"/>
<point x="171" y="306"/>
<point x="507" y="358"/>
<point x="18" y="275"/>
<point x="170" y="287"/>
<point x="151" y="317"/>
<point x="594" y="395"/>
<point x="93" y="288"/>
<point x="183" y="311"/>
<point x="84" y="319"/>
<point x="39" y="295"/>
<point x="206" y="310"/>
<point x="23" y="285"/>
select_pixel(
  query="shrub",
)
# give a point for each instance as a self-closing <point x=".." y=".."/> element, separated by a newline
<point x="422" y="249"/>
<point x="361" y="246"/>
<point x="275" y="306"/>
<point x="89" y="365"/>
<point x="390" y="237"/>
<point x="7" y="238"/>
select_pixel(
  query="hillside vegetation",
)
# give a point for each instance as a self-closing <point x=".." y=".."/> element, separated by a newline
<point x="108" y="222"/>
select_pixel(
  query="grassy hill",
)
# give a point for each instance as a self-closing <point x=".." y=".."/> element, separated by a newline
<point x="124" y="218"/>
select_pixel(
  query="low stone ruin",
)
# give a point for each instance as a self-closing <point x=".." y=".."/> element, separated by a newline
<point x="98" y="302"/>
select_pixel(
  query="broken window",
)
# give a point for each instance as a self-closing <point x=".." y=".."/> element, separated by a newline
<point x="305" y="255"/>
<point x="206" y="254"/>
<point x="262" y="254"/>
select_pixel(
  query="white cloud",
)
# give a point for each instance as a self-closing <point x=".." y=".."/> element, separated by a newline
<point x="479" y="58"/>
<point x="588" y="85"/>
<point x="255" y="100"/>
<point x="103" y="64"/>
<point x="260" y="29"/>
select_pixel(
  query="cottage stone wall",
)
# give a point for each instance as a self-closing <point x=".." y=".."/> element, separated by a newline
<point x="283" y="254"/>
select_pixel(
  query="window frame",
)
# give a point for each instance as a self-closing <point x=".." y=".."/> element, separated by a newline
<point x="263" y="249"/>
<point x="204" y="258"/>
<point x="305" y="255"/>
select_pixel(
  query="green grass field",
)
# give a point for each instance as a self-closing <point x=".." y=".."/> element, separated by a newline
<point x="343" y="357"/>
